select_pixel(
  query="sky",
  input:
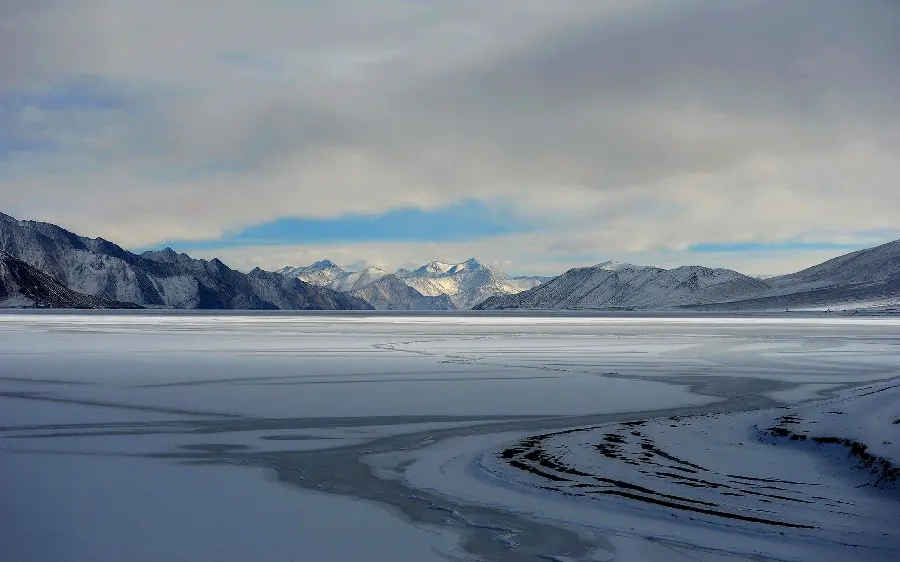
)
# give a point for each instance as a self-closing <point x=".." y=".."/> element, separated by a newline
<point x="537" y="135"/>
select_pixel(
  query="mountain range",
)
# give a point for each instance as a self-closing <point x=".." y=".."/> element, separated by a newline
<point x="326" y="273"/>
<point x="435" y="285"/>
<point x="43" y="265"/>
<point x="164" y="279"/>
<point x="621" y="285"/>
<point x="864" y="279"/>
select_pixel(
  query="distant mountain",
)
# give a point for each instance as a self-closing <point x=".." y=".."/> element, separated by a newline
<point x="293" y="294"/>
<point x="862" y="279"/>
<point x="873" y="265"/>
<point x="613" y="285"/>
<point x="321" y="273"/>
<point x="326" y="273"/>
<point x="428" y="270"/>
<point x="24" y="286"/>
<point x="165" y="278"/>
<point x="465" y="284"/>
<point x="867" y="278"/>
<point x="358" y="279"/>
<point x="391" y="293"/>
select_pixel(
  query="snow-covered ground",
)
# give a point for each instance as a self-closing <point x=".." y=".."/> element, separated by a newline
<point x="806" y="483"/>
<point x="373" y="437"/>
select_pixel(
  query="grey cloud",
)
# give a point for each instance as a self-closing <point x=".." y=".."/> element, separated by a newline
<point x="756" y="57"/>
<point x="638" y="124"/>
<point x="697" y="87"/>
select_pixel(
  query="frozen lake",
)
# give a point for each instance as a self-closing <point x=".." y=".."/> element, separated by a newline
<point x="160" y="436"/>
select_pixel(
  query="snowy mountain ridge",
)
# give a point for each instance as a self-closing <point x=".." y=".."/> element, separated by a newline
<point x="429" y="269"/>
<point x="391" y="293"/>
<point x="165" y="278"/>
<point x="465" y="284"/>
<point x="866" y="278"/>
<point x="322" y="273"/>
<point x="615" y="285"/>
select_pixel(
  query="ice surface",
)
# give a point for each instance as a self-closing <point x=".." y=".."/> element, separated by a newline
<point x="99" y="509"/>
<point x="179" y="424"/>
<point x="801" y="393"/>
<point x="311" y="368"/>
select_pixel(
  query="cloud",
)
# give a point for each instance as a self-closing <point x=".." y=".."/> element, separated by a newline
<point x="631" y="126"/>
<point x="521" y="253"/>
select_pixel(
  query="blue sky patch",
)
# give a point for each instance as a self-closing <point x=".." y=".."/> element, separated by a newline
<point x="76" y="93"/>
<point x="785" y="245"/>
<point x="22" y="131"/>
<point x="461" y="222"/>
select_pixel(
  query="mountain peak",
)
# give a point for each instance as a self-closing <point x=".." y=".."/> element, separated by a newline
<point x="434" y="268"/>
<point x="471" y="264"/>
<point x="613" y="265"/>
<point x="321" y="264"/>
<point x="167" y="255"/>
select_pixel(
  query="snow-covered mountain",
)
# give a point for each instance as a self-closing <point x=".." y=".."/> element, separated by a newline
<point x="293" y="294"/>
<point x="873" y="265"/>
<point x="862" y="279"/>
<point x="321" y="273"/>
<point x="613" y="285"/>
<point x="24" y="286"/>
<point x="427" y="270"/>
<point x="466" y="283"/>
<point x="867" y="278"/>
<point x="358" y="279"/>
<point x="391" y="293"/>
<point x="165" y="278"/>
<point x="326" y="273"/>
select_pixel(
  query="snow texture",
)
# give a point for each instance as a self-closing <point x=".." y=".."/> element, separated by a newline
<point x="23" y="286"/>
<point x="730" y="485"/>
